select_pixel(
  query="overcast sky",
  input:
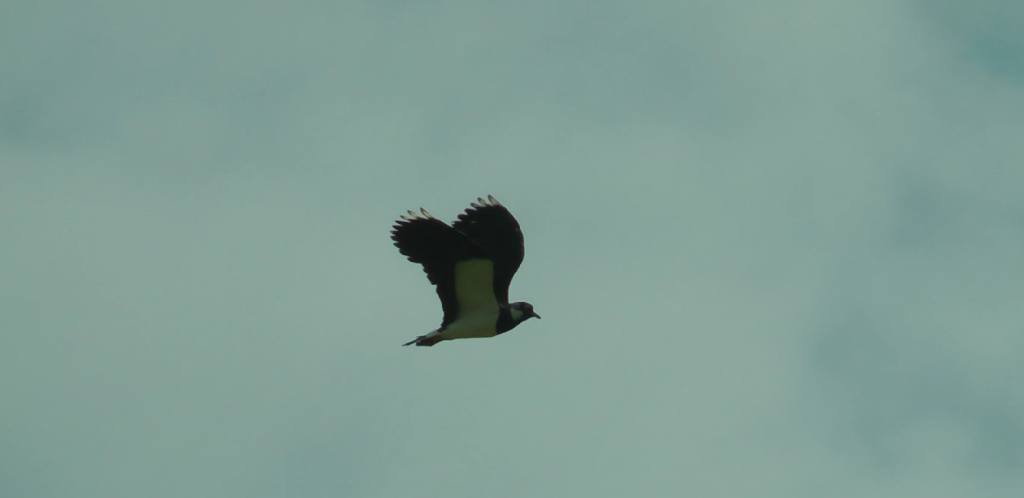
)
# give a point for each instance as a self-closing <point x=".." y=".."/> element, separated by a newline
<point x="777" y="247"/>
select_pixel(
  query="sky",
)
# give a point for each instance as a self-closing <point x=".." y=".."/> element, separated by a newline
<point x="777" y="248"/>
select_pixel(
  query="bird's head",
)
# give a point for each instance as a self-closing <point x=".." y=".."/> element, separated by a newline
<point x="525" y="311"/>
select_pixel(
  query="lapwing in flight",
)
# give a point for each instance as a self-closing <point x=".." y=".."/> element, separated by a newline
<point x="471" y="263"/>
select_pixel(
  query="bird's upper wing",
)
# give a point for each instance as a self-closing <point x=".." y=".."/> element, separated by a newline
<point x="497" y="232"/>
<point x="438" y="247"/>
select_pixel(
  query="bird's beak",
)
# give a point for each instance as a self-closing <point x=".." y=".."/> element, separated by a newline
<point x="534" y="314"/>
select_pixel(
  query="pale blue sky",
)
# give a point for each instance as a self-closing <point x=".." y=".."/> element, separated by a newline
<point x="777" y="248"/>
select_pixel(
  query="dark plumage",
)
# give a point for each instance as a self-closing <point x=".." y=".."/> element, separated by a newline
<point x="471" y="263"/>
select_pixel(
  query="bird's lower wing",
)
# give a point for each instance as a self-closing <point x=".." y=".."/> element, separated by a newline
<point x="439" y="248"/>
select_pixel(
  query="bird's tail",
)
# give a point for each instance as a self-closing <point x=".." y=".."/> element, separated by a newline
<point x="426" y="339"/>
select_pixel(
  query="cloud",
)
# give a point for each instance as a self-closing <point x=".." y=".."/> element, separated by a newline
<point x="776" y="248"/>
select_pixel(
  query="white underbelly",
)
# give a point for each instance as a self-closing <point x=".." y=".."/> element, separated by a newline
<point x="478" y="325"/>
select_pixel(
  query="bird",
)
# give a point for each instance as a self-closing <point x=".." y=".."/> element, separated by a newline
<point x="471" y="263"/>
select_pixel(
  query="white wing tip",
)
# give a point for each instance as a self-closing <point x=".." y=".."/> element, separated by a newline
<point x="413" y="215"/>
<point x="481" y="203"/>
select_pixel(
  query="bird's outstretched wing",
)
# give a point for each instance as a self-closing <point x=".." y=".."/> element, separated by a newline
<point x="497" y="232"/>
<point x="438" y="247"/>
